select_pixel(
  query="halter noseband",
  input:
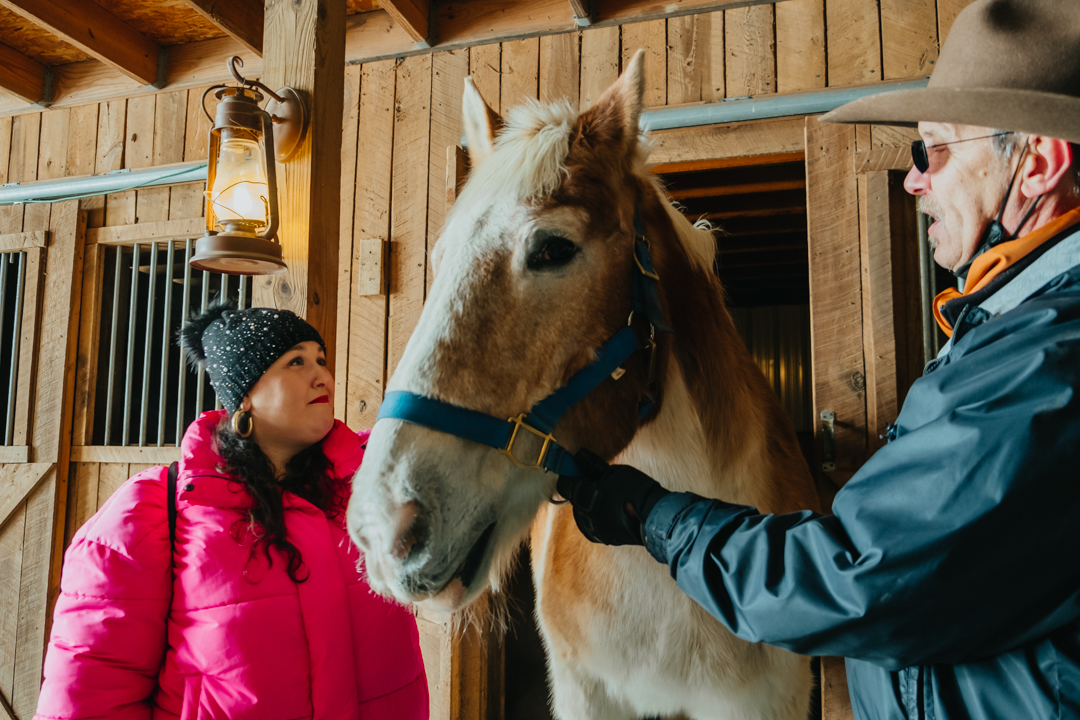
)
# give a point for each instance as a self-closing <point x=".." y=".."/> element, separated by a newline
<point x="545" y="415"/>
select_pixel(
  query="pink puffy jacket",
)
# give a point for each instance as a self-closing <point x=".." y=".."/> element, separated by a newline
<point x="221" y="634"/>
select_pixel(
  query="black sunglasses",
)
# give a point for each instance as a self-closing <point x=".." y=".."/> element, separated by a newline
<point x="919" y="147"/>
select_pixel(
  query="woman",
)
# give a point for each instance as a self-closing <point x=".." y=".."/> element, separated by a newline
<point x="260" y="610"/>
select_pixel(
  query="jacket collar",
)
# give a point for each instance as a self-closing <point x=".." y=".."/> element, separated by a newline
<point x="994" y="264"/>
<point x="201" y="464"/>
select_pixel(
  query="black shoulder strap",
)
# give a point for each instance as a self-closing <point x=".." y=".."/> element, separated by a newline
<point x="174" y="470"/>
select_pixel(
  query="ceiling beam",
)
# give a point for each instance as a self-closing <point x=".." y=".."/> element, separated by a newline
<point x="95" y="31"/>
<point x="23" y="77"/>
<point x="730" y="162"/>
<point x="414" y="16"/>
<point x="582" y="12"/>
<point x="241" y="20"/>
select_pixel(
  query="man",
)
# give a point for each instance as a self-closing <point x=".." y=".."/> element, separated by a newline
<point x="949" y="575"/>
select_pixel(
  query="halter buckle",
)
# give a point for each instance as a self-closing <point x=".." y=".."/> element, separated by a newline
<point x="508" y="451"/>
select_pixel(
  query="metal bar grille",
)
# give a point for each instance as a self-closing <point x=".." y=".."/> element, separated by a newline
<point x="144" y="391"/>
<point x="12" y="283"/>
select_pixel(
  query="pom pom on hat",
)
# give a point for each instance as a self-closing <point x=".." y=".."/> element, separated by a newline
<point x="191" y="335"/>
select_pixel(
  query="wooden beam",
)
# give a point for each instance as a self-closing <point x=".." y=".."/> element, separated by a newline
<point x="744" y="189"/>
<point x="582" y="12"/>
<point x="145" y="232"/>
<point x="413" y="16"/>
<point x="305" y="50"/>
<point x="23" y="77"/>
<point x="883" y="159"/>
<point x="139" y="455"/>
<point x="763" y="212"/>
<point x="241" y="20"/>
<point x="14" y="242"/>
<point x="730" y="140"/>
<point x="728" y="162"/>
<point x="97" y="32"/>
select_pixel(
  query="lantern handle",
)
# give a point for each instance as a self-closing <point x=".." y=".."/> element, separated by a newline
<point x="202" y="102"/>
<point x="236" y="62"/>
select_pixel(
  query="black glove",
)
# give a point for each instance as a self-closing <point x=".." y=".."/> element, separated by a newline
<point x="611" y="502"/>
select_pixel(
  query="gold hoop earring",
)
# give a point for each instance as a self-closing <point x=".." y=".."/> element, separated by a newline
<point x="236" y="423"/>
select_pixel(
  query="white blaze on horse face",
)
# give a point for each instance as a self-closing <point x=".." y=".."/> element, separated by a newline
<point x="521" y="288"/>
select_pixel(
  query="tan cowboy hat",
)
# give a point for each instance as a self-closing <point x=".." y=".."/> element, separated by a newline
<point x="1007" y="64"/>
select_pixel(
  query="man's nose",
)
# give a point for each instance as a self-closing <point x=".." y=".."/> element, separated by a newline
<point x="917" y="183"/>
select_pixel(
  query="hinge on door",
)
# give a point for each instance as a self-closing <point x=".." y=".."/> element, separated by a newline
<point x="828" y="434"/>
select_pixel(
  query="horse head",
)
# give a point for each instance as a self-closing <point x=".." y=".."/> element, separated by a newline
<point x="535" y="272"/>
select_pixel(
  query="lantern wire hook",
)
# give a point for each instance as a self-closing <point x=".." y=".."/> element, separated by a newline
<point x="236" y="62"/>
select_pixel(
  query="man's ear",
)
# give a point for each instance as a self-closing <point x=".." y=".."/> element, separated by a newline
<point x="481" y="124"/>
<point x="1048" y="165"/>
<point x="613" y="119"/>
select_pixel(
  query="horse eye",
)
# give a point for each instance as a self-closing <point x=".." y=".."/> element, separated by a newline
<point x="551" y="252"/>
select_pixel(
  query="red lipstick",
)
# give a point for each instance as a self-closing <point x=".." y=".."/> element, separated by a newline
<point x="320" y="399"/>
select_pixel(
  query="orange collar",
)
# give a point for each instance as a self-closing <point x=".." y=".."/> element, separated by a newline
<point x="995" y="261"/>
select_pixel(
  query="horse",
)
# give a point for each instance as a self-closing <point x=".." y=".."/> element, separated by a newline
<point x="535" y="269"/>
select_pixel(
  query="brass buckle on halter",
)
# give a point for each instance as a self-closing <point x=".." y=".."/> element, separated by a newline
<point x="508" y="451"/>
<point x="646" y="273"/>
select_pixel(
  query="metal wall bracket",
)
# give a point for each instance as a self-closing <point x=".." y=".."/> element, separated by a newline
<point x="828" y="434"/>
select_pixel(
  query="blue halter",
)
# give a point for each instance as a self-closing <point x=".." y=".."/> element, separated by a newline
<point x="545" y="415"/>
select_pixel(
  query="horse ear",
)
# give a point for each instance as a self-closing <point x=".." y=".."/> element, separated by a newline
<point x="614" y="117"/>
<point x="481" y="123"/>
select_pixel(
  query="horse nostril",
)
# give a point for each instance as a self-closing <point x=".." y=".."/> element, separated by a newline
<point x="407" y="531"/>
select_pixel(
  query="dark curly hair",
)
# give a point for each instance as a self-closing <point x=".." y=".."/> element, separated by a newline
<point x="309" y="474"/>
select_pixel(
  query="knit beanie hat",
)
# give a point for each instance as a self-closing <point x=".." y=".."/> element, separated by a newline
<point x="237" y="346"/>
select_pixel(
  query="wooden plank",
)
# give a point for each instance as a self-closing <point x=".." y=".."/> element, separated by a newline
<point x="408" y="254"/>
<point x="152" y="204"/>
<point x="436" y="648"/>
<point x="835" y="700"/>
<point x="113" y="454"/>
<point x="24" y="77"/>
<point x="143" y="232"/>
<point x="241" y="20"/>
<point x="28" y="346"/>
<point x="448" y="73"/>
<point x="89" y="341"/>
<point x="53" y="146"/>
<point x="882" y="159"/>
<point x="800" y="45"/>
<point x="750" y="51"/>
<point x="350" y="128"/>
<point x="854" y="42"/>
<point x="11" y="547"/>
<point x="86" y="494"/>
<point x="729" y="162"/>
<point x="485" y="68"/>
<point x="36" y="215"/>
<point x="836" y="289"/>
<point x="887" y="136"/>
<point x="109" y="152"/>
<point x="305" y="50"/>
<point x="863" y="138"/>
<point x="59" y="335"/>
<point x="110" y="477"/>
<point x="82" y="147"/>
<point x="947" y="10"/>
<point x="371" y="264"/>
<point x="909" y="42"/>
<point x="457" y="171"/>
<point x="695" y="59"/>
<point x="22" y="167"/>
<point x="652" y="36"/>
<point x="879" y="339"/>
<point x="412" y="15"/>
<point x="188" y="200"/>
<point x="476" y="670"/>
<point x="15" y="242"/>
<point x="758" y="137"/>
<point x="560" y="66"/>
<point x="97" y="32"/>
<point x="368" y="315"/>
<point x="599" y="63"/>
<point x="14" y="454"/>
<point x="16" y="483"/>
<point x="138" y="149"/>
<point x="32" y="629"/>
<point x="520" y="74"/>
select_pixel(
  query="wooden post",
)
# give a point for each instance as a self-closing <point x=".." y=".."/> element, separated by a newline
<point x="304" y="48"/>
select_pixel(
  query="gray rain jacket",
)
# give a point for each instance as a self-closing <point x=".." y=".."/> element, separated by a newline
<point x="949" y="574"/>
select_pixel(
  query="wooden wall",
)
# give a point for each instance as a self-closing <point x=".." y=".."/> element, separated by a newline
<point x="400" y="118"/>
